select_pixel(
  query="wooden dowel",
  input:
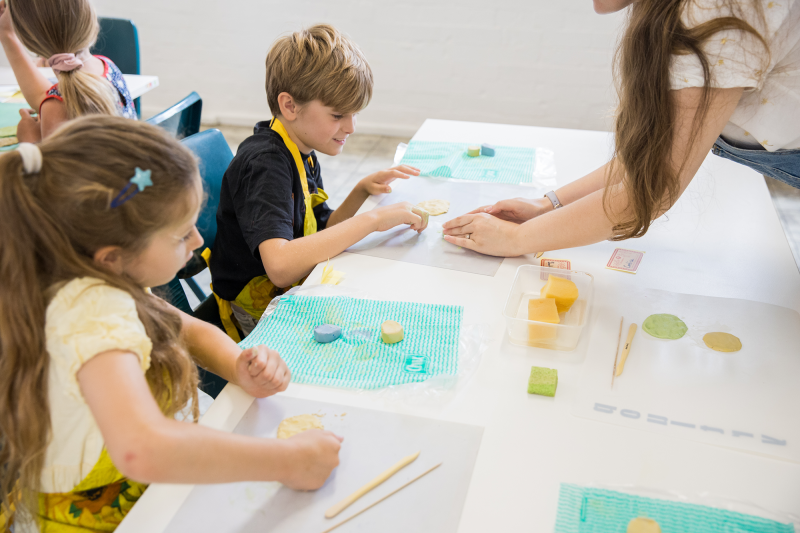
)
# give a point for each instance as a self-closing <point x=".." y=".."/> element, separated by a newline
<point x="626" y="350"/>
<point x="395" y="491"/>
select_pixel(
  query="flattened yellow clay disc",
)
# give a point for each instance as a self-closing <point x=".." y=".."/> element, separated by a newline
<point x="722" y="342"/>
<point x="291" y="426"/>
<point x="643" y="525"/>
<point x="435" y="207"/>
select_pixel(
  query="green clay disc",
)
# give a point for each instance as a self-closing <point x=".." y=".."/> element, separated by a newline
<point x="665" y="327"/>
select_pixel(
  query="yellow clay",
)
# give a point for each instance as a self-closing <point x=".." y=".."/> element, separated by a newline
<point x="563" y="290"/>
<point x="391" y="332"/>
<point x="542" y="310"/>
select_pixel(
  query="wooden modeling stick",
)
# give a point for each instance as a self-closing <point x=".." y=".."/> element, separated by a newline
<point x="395" y="491"/>
<point x="616" y="352"/>
<point x="344" y="504"/>
<point x="631" y="333"/>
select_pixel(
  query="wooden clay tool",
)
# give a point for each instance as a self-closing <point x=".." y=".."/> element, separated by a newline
<point x="344" y="504"/>
<point x="616" y="352"/>
<point x="395" y="491"/>
<point x="631" y="333"/>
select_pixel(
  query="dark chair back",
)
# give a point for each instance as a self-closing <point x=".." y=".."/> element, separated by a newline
<point x="215" y="155"/>
<point x="183" y="119"/>
<point x="118" y="40"/>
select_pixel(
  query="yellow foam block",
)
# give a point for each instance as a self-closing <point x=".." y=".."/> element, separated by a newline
<point x="391" y="332"/>
<point x="542" y="310"/>
<point x="473" y="151"/>
<point x="563" y="290"/>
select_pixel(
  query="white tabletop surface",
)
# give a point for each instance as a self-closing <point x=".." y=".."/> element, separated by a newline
<point x="137" y="84"/>
<point x="723" y="238"/>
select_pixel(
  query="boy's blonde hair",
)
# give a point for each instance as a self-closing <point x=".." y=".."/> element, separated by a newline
<point x="53" y="221"/>
<point x="48" y="27"/>
<point x="319" y="63"/>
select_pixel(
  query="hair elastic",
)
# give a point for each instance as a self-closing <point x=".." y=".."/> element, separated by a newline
<point x="31" y="158"/>
<point x="64" y="62"/>
<point x="138" y="183"/>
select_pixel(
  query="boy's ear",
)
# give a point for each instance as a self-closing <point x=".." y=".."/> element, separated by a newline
<point x="288" y="106"/>
<point x="109" y="258"/>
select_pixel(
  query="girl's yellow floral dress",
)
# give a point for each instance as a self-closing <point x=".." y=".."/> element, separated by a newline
<point x="81" y="489"/>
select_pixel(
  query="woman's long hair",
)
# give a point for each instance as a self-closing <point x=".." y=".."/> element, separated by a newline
<point x="48" y="27"/>
<point x="646" y="115"/>
<point x="52" y="223"/>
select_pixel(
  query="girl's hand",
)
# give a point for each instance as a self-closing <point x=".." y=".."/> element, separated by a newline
<point x="315" y="453"/>
<point x="28" y="130"/>
<point x="483" y="233"/>
<point x="6" y="27"/>
<point x="261" y="372"/>
<point x="516" y="210"/>
<point x="378" y="183"/>
<point x="396" y="214"/>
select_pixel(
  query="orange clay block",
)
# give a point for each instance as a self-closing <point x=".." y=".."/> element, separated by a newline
<point x="542" y="310"/>
<point x="563" y="290"/>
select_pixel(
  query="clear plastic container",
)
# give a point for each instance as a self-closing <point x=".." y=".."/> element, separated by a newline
<point x="527" y="285"/>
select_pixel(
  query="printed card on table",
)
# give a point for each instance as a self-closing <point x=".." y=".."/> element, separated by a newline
<point x="625" y="260"/>
<point x="554" y="263"/>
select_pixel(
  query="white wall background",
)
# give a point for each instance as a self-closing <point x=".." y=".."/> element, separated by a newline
<point x="534" y="62"/>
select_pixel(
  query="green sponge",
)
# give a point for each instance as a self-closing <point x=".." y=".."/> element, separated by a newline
<point x="543" y="381"/>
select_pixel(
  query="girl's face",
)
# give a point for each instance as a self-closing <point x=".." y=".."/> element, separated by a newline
<point x="167" y="252"/>
<point x="610" y="6"/>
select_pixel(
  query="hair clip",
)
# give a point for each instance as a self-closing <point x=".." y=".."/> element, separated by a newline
<point x="141" y="180"/>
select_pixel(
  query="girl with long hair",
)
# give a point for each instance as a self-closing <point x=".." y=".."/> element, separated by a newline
<point x="61" y="33"/>
<point x="93" y="368"/>
<point x="692" y="76"/>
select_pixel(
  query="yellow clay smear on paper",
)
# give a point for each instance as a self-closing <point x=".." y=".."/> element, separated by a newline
<point x="563" y="290"/>
<point x="722" y="342"/>
<point x="542" y="310"/>
<point x="643" y="525"/>
<point x="435" y="207"/>
<point x="290" y="427"/>
<point x="331" y="276"/>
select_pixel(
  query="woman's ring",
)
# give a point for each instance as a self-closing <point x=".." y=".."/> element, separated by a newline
<point x="469" y="235"/>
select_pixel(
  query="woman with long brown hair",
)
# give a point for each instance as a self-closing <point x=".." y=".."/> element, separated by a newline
<point x="692" y="76"/>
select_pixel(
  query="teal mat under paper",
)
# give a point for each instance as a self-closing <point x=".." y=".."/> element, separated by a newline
<point x="359" y="359"/>
<point x="511" y="164"/>
<point x="593" y="510"/>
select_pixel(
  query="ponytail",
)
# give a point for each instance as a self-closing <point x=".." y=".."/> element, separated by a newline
<point x="86" y="94"/>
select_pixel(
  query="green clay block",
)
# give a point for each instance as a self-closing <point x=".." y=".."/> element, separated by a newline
<point x="543" y="381"/>
<point x="665" y="326"/>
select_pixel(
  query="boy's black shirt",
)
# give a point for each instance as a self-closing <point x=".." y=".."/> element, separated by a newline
<point x="261" y="199"/>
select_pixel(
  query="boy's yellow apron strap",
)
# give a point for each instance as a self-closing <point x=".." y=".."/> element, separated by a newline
<point x="225" y="311"/>
<point x="310" y="222"/>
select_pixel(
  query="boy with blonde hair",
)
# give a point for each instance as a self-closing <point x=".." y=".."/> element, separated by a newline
<point x="272" y="209"/>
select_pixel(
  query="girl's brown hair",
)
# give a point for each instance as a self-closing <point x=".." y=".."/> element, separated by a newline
<point x="48" y="27"/>
<point x="52" y="223"/>
<point x="646" y="115"/>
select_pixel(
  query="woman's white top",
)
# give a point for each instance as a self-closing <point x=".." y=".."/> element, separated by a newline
<point x="769" y="112"/>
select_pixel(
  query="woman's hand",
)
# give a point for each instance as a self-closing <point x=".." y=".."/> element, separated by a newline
<point x="378" y="183"/>
<point x="483" y="233"/>
<point x="29" y="129"/>
<point x="517" y="210"/>
<point x="261" y="372"/>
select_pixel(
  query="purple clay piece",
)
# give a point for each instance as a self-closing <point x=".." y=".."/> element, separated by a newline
<point x="327" y="333"/>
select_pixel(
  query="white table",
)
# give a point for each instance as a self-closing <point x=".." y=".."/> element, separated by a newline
<point x="723" y="238"/>
<point x="137" y="84"/>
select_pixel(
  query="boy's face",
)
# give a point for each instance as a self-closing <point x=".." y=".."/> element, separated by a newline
<point x="318" y="127"/>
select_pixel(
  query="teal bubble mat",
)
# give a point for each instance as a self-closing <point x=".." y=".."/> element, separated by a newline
<point x="511" y="164"/>
<point x="594" y="510"/>
<point x="359" y="358"/>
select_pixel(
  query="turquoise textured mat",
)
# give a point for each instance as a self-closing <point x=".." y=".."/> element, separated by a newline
<point x="359" y="359"/>
<point x="511" y="164"/>
<point x="593" y="510"/>
<point x="9" y="116"/>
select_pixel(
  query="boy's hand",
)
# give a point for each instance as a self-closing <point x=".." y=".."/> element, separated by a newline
<point x="396" y="214"/>
<point x="28" y="130"/>
<point x="315" y="453"/>
<point x="378" y="183"/>
<point x="261" y="372"/>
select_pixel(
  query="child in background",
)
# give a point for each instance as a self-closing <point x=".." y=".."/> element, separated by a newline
<point x="60" y="32"/>
<point x="93" y="369"/>
<point x="272" y="209"/>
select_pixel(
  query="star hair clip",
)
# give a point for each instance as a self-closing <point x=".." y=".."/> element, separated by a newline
<point x="138" y="183"/>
